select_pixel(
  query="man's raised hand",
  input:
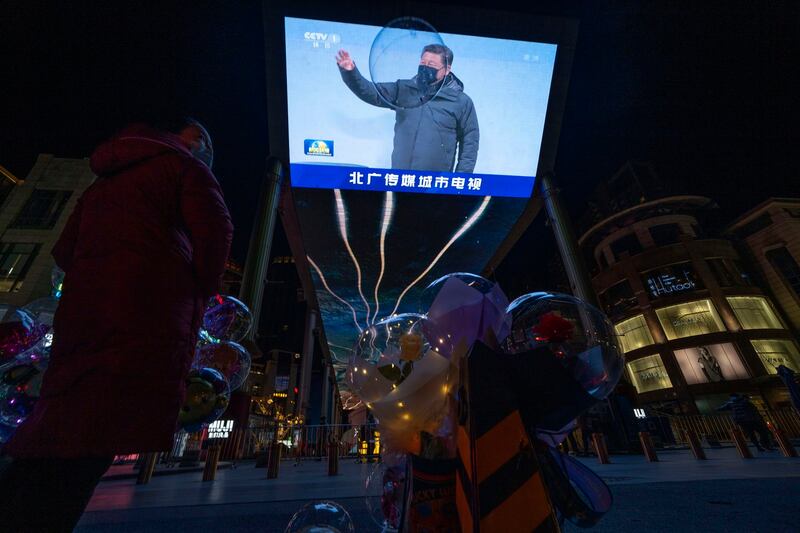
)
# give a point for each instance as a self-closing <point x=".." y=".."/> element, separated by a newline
<point x="344" y="60"/>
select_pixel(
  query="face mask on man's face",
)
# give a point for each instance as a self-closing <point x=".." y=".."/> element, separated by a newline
<point x="204" y="154"/>
<point x="425" y="77"/>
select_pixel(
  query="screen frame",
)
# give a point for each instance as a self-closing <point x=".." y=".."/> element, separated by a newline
<point x="446" y="19"/>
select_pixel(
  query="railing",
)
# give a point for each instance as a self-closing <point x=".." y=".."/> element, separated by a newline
<point x="718" y="426"/>
<point x="299" y="443"/>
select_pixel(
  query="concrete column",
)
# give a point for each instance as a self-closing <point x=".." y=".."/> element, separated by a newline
<point x="292" y="403"/>
<point x="308" y="357"/>
<point x="255" y="267"/>
<point x="578" y="276"/>
<point x="326" y="393"/>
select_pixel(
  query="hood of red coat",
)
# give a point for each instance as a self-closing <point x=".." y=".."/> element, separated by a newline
<point x="133" y="144"/>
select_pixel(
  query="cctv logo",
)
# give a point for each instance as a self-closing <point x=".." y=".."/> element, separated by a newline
<point x="325" y="38"/>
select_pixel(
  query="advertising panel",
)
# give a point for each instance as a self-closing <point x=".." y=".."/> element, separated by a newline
<point x="710" y="364"/>
<point x="391" y="194"/>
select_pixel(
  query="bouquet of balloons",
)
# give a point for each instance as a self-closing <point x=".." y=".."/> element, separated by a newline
<point x="25" y="339"/>
<point x="560" y="353"/>
<point x="220" y="364"/>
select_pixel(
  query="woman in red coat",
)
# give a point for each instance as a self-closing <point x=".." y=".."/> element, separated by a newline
<point x="143" y="251"/>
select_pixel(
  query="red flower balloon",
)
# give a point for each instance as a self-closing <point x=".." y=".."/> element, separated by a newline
<point x="553" y="328"/>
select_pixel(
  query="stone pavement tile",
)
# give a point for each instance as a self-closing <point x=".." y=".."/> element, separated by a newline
<point x="240" y="485"/>
<point x="715" y="506"/>
<point x="680" y="465"/>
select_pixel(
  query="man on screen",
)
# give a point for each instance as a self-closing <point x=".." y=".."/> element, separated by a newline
<point x="436" y="128"/>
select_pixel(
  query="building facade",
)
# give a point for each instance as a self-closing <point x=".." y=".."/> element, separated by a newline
<point x="33" y="213"/>
<point x="693" y="316"/>
<point x="770" y="235"/>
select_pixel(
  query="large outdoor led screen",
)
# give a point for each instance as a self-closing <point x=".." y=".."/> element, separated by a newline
<point x="411" y="156"/>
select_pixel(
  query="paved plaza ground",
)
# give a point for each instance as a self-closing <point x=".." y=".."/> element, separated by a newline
<point x="677" y="494"/>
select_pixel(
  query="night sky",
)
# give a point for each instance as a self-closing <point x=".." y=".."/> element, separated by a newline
<point x="705" y="91"/>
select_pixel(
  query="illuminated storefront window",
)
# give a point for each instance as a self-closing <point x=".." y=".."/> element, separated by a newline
<point x="688" y="319"/>
<point x="754" y="312"/>
<point x="648" y="374"/>
<point x="633" y="333"/>
<point x="776" y="352"/>
<point x="710" y="364"/>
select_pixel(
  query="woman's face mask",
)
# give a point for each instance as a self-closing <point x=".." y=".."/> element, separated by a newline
<point x="204" y="153"/>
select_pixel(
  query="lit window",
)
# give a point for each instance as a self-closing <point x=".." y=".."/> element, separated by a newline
<point x="15" y="260"/>
<point x="785" y="264"/>
<point x="634" y="333"/>
<point x="754" y="312"/>
<point x="688" y="319"/>
<point x="648" y="374"/>
<point x="776" y="352"/>
<point x="710" y="364"/>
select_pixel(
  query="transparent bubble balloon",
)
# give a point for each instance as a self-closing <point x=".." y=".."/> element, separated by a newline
<point x="57" y="281"/>
<point x="385" y="354"/>
<point x="321" y="517"/>
<point x="579" y="335"/>
<point x="429" y="294"/>
<point x="229" y="358"/>
<point x="6" y="433"/>
<point x="405" y="77"/>
<point x="227" y="319"/>
<point x="207" y="397"/>
<point x="384" y="493"/>
<point x="18" y="331"/>
<point x="19" y="390"/>
<point x="43" y="310"/>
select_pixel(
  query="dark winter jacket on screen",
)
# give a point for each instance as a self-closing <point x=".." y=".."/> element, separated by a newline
<point x="429" y="136"/>
<point x="143" y="250"/>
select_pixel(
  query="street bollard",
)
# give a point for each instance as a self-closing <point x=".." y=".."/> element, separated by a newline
<point x="741" y="444"/>
<point x="695" y="445"/>
<point x="273" y="460"/>
<point x="599" y="441"/>
<point x="147" y="468"/>
<point x="647" y="446"/>
<point x="333" y="458"/>
<point x="783" y="441"/>
<point x="212" y="461"/>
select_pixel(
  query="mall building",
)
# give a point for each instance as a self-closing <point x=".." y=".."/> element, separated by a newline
<point x="702" y="308"/>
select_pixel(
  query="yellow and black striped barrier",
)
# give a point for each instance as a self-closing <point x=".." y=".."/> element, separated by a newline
<point x="499" y="485"/>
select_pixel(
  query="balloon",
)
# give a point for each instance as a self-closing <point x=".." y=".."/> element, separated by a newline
<point x="18" y="331"/>
<point x="19" y="391"/>
<point x="230" y="358"/>
<point x="385" y="354"/>
<point x="227" y="319"/>
<point x="43" y="310"/>
<point x="321" y="517"/>
<point x="429" y="294"/>
<point x="5" y="433"/>
<point x="579" y="335"/>
<point x="385" y="490"/>
<point x="207" y="397"/>
<point x="395" y="55"/>
<point x="463" y="308"/>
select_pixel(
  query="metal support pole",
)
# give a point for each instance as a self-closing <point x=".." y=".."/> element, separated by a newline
<point x="292" y="397"/>
<point x="147" y="468"/>
<point x="212" y="462"/>
<point x="567" y="243"/>
<point x="308" y="357"/>
<point x="255" y="268"/>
